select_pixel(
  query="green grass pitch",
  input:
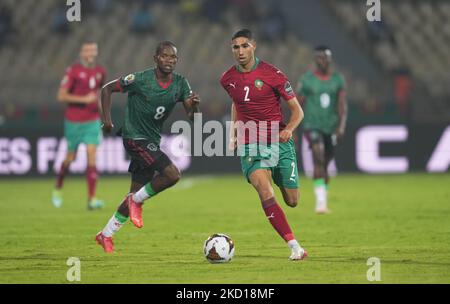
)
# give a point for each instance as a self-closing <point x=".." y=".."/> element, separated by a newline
<point x="404" y="220"/>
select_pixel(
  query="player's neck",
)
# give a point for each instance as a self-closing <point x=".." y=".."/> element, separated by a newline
<point x="86" y="64"/>
<point x="321" y="74"/>
<point x="162" y="77"/>
<point x="250" y="66"/>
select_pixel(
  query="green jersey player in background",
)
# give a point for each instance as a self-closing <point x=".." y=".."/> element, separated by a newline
<point x="322" y="93"/>
<point x="152" y="94"/>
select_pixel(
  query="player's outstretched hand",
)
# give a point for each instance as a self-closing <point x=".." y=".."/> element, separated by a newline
<point x="107" y="127"/>
<point x="285" y="135"/>
<point x="194" y="99"/>
<point x="339" y="133"/>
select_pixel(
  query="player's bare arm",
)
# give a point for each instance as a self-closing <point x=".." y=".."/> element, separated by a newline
<point x="65" y="97"/>
<point x="233" y="139"/>
<point x="192" y="105"/>
<point x="105" y="104"/>
<point x="294" y="121"/>
<point x="342" y="113"/>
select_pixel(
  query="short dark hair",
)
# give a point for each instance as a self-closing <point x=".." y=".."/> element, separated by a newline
<point x="162" y="45"/>
<point x="322" y="48"/>
<point x="246" y="33"/>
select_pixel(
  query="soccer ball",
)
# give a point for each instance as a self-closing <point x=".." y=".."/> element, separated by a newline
<point x="218" y="248"/>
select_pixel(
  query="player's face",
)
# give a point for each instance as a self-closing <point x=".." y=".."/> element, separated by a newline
<point x="167" y="59"/>
<point x="243" y="50"/>
<point x="89" y="53"/>
<point x="323" y="61"/>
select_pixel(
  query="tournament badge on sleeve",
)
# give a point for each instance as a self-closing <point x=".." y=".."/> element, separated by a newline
<point x="129" y="79"/>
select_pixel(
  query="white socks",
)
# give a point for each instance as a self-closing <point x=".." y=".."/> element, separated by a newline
<point x="293" y="244"/>
<point x="321" y="194"/>
<point x="140" y="196"/>
<point x="321" y="197"/>
<point x="144" y="193"/>
<point x="114" y="224"/>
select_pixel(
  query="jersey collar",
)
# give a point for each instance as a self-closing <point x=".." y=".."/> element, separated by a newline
<point x="238" y="68"/>
<point x="162" y="84"/>
<point x="321" y="76"/>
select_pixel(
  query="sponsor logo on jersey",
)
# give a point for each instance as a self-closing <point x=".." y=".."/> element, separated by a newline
<point x="152" y="147"/>
<point x="98" y="76"/>
<point x="83" y="75"/>
<point x="233" y="85"/>
<point x="129" y="79"/>
<point x="288" y="88"/>
<point x="259" y="84"/>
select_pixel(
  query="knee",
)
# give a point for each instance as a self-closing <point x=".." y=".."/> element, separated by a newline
<point x="173" y="175"/>
<point x="291" y="199"/>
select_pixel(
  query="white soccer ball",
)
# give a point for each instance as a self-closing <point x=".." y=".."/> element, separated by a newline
<point x="219" y="248"/>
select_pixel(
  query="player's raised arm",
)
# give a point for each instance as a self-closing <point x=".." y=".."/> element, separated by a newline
<point x="105" y="104"/>
<point x="192" y="105"/>
<point x="294" y="120"/>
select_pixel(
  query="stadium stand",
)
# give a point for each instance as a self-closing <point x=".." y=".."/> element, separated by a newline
<point x="413" y="38"/>
<point x="39" y="46"/>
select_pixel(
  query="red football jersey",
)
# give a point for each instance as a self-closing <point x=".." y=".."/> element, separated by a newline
<point x="80" y="80"/>
<point x="256" y="96"/>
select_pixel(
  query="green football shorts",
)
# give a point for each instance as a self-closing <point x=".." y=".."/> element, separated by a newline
<point x="279" y="158"/>
<point x="76" y="133"/>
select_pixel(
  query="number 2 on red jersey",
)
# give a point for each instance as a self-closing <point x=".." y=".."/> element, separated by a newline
<point x="247" y="91"/>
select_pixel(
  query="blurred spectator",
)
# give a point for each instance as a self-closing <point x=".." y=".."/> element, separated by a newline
<point x="402" y="90"/>
<point x="142" y="20"/>
<point x="190" y="9"/>
<point x="378" y="31"/>
<point x="100" y="6"/>
<point x="59" y="24"/>
<point x="371" y="106"/>
<point x="5" y="24"/>
<point x="213" y="10"/>
<point x="248" y="10"/>
<point x="273" y="25"/>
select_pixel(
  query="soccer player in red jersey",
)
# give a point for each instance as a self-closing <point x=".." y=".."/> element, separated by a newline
<point x="255" y="88"/>
<point x="79" y="90"/>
